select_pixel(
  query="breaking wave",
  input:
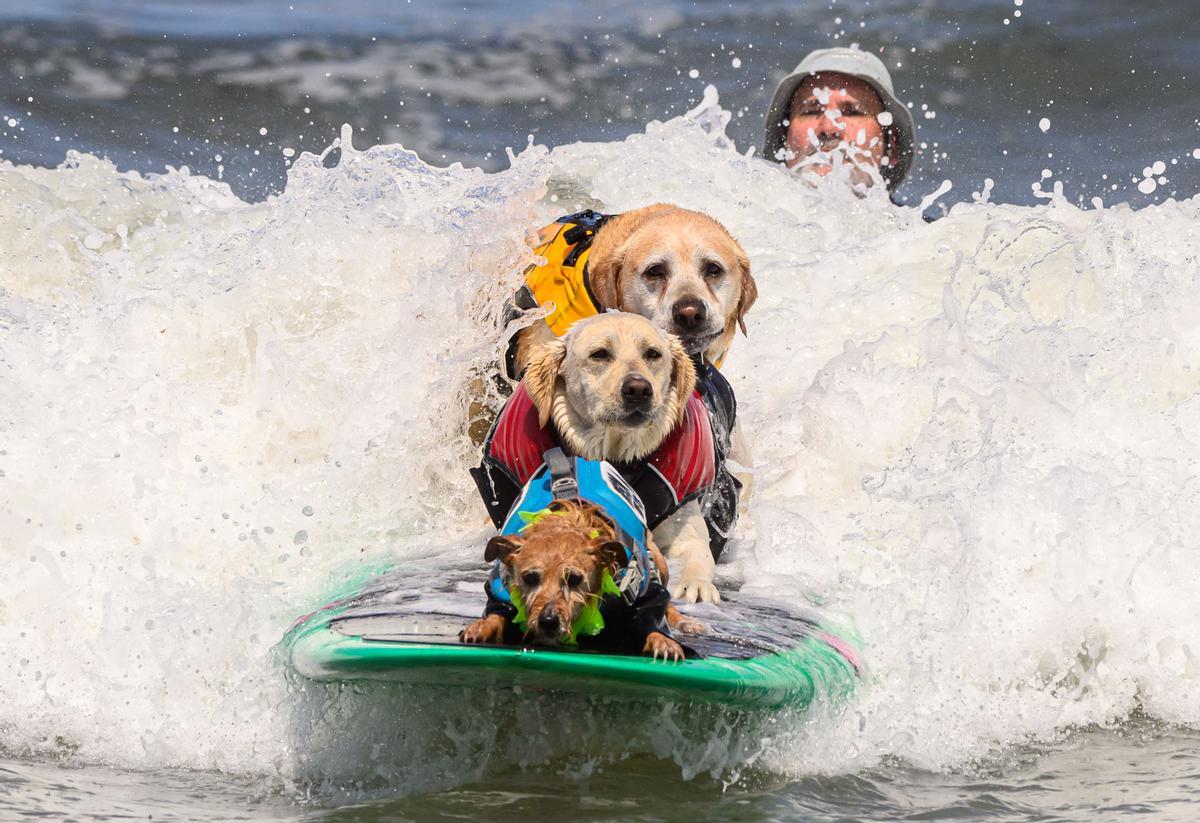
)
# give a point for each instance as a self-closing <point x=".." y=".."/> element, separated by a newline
<point x="977" y="439"/>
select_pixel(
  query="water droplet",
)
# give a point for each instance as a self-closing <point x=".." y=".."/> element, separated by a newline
<point x="300" y="537"/>
<point x="307" y="511"/>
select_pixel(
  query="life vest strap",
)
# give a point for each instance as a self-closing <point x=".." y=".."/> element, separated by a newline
<point x="562" y="474"/>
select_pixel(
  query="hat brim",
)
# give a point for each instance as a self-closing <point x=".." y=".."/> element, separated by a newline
<point x="775" y="131"/>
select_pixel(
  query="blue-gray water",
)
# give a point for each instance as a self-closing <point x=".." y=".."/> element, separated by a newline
<point x="1137" y="771"/>
<point x="155" y="83"/>
<point x="1085" y="711"/>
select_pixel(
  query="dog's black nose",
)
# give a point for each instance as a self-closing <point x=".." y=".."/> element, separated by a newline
<point x="689" y="314"/>
<point x="636" y="391"/>
<point x="548" y="624"/>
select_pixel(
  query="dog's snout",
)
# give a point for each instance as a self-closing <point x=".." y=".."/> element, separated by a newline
<point x="548" y="624"/>
<point x="689" y="314"/>
<point x="636" y="391"/>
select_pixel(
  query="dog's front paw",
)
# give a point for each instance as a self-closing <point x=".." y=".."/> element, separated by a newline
<point x="488" y="629"/>
<point x="696" y="591"/>
<point x="687" y="625"/>
<point x="659" y="646"/>
<point x="695" y="585"/>
<point x="696" y="572"/>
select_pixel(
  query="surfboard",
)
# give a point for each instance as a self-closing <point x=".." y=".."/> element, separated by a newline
<point x="754" y="654"/>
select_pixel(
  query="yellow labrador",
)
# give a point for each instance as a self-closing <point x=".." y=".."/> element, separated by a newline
<point x="676" y="267"/>
<point x="617" y="388"/>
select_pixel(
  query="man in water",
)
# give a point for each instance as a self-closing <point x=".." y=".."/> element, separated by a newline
<point x="840" y="101"/>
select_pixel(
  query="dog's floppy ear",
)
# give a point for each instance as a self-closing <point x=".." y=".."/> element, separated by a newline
<point x="749" y="288"/>
<point x="611" y="553"/>
<point x="541" y="375"/>
<point x="609" y="250"/>
<point x="502" y="547"/>
<point x="603" y="271"/>
<point x="683" y="375"/>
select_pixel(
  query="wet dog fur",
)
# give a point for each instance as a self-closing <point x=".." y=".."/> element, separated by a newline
<point x="679" y="268"/>
<point x="557" y="564"/>
<point x="615" y="387"/>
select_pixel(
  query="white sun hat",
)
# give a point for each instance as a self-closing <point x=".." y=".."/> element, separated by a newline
<point x="855" y="63"/>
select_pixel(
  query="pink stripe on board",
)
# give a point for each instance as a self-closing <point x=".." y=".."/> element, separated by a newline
<point x="841" y="647"/>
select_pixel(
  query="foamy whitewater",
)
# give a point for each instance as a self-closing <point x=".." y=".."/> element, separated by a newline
<point x="975" y="441"/>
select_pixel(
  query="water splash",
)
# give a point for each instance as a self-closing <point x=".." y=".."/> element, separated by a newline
<point x="977" y="438"/>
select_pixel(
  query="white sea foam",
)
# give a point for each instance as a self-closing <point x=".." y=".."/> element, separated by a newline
<point x="977" y="439"/>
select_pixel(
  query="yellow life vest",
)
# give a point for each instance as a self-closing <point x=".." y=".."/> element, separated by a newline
<point x="561" y="282"/>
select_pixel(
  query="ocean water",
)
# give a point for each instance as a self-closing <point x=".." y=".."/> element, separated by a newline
<point x="229" y="388"/>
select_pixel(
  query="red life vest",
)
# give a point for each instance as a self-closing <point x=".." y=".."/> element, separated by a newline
<point x="679" y="470"/>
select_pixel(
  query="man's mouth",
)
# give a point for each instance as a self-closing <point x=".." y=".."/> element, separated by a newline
<point x="825" y="153"/>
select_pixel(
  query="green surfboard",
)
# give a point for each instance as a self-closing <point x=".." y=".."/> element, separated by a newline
<point x="753" y="655"/>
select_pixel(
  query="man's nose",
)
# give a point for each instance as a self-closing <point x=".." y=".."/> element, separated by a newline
<point x="831" y="125"/>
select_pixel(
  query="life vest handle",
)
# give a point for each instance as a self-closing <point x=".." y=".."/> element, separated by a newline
<point x="562" y="474"/>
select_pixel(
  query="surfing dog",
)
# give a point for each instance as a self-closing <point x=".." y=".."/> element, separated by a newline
<point x="555" y="583"/>
<point x="618" y="389"/>
<point x="679" y="268"/>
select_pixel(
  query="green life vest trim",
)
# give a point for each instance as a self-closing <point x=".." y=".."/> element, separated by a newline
<point x="589" y="623"/>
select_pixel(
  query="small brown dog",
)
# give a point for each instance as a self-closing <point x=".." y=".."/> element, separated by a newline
<point x="555" y="569"/>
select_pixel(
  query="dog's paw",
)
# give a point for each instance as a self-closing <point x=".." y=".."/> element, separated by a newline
<point x="488" y="629"/>
<point x="697" y="568"/>
<point x="659" y="646"/>
<point x="689" y="625"/>
<point x="678" y="621"/>
<point x="695" y="590"/>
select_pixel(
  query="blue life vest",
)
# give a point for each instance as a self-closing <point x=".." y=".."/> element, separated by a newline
<point x="598" y="482"/>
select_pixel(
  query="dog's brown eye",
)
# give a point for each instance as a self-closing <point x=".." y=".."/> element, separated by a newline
<point x="574" y="579"/>
<point x="655" y="271"/>
<point x="601" y="354"/>
<point x="531" y="579"/>
<point x="712" y="269"/>
<point x="653" y="354"/>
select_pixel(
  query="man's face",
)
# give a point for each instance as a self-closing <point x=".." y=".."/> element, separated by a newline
<point x="835" y="111"/>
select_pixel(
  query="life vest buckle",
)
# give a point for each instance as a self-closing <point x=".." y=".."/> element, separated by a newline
<point x="562" y="474"/>
<point x="586" y="223"/>
<point x="631" y="580"/>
